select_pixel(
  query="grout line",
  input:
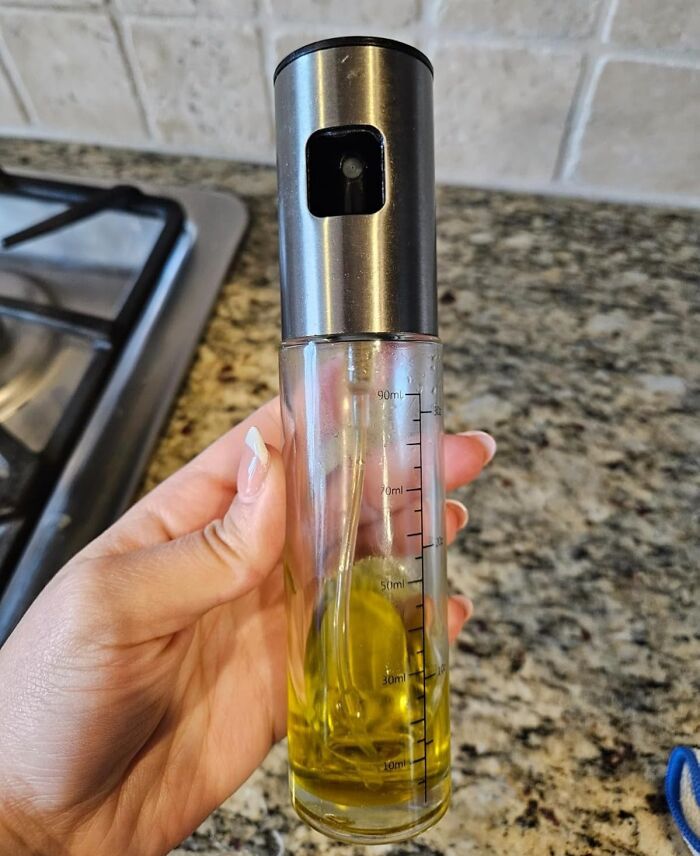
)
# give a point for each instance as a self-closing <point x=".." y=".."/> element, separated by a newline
<point x="163" y="18"/>
<point x="189" y="17"/>
<point x="515" y="40"/>
<point x="603" y="23"/>
<point x="593" y="193"/>
<point x="569" y="153"/>
<point x="503" y="42"/>
<point x="14" y="94"/>
<point x="68" y="11"/>
<point x="17" y="87"/>
<point x="426" y="25"/>
<point x="672" y="59"/>
<point x="606" y="19"/>
<point x="139" y="82"/>
<point x="49" y="7"/>
<point x="264" y="23"/>
<point x="592" y="46"/>
<point x="130" y="64"/>
<point x="436" y="7"/>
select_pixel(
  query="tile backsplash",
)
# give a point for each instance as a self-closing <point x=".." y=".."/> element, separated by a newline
<point x="593" y="97"/>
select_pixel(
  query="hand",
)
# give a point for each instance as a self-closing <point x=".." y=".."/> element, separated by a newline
<point x="147" y="681"/>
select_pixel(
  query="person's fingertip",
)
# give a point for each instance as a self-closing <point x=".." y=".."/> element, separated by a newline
<point x="486" y="441"/>
<point x="254" y="464"/>
<point x="465" y="606"/>
<point x="460" y="512"/>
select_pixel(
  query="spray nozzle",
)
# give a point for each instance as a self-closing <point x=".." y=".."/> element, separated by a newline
<point x="345" y="171"/>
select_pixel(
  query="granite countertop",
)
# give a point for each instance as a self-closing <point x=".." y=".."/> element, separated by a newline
<point x="571" y="332"/>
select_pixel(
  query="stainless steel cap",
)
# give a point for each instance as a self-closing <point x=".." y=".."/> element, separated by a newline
<point x="344" y="270"/>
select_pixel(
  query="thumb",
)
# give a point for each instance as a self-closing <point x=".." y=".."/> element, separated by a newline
<point x="159" y="590"/>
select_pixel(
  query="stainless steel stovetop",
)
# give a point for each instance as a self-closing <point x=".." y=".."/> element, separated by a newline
<point x="103" y="296"/>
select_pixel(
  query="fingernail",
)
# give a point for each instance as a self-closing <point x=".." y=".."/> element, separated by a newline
<point x="487" y="442"/>
<point x="255" y="462"/>
<point x="465" y="605"/>
<point x="461" y="512"/>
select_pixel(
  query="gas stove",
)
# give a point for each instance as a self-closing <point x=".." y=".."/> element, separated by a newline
<point x="104" y="292"/>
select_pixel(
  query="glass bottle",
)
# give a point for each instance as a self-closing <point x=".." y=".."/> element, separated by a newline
<point x="361" y="381"/>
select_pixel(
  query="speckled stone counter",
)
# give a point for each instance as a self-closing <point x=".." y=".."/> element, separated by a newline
<point x="572" y="333"/>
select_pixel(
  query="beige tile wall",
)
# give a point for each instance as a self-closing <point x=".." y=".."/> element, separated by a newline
<point x="593" y="97"/>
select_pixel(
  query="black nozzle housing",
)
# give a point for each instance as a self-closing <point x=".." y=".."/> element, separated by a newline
<point x="345" y="171"/>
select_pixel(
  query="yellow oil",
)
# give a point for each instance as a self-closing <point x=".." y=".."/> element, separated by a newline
<point x="371" y="749"/>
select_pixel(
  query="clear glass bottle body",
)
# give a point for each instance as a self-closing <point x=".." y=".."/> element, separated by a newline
<point x="368" y="728"/>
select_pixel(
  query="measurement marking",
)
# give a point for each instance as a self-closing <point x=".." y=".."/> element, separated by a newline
<point x="432" y="675"/>
<point x="413" y="582"/>
<point x="413" y="674"/>
<point x="415" y="420"/>
<point x="417" y="721"/>
<point x="425" y="546"/>
<point x="420" y="697"/>
<point x="388" y="490"/>
<point x="413" y="444"/>
<point x="419" y="652"/>
<point x="421" y="781"/>
<point x="409" y="489"/>
<point x="417" y="468"/>
<point x="417" y="510"/>
<point x="392" y="585"/>
<point x="422" y="593"/>
<point x="426" y="411"/>
<point x="419" y="606"/>
<point x="413" y="394"/>
<point x="418" y="760"/>
<point x="413" y="534"/>
<point x="428" y="742"/>
<point x="414" y="629"/>
<point x="419" y="558"/>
